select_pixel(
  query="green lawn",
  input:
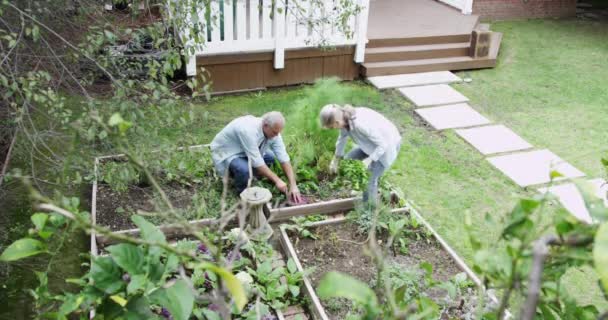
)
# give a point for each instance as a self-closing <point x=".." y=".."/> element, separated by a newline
<point x="550" y="87"/>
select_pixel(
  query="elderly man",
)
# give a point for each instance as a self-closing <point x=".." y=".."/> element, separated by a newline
<point x="247" y="139"/>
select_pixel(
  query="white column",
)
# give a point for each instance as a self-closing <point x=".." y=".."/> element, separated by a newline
<point x="279" y="34"/>
<point x="468" y="7"/>
<point x="361" y="31"/>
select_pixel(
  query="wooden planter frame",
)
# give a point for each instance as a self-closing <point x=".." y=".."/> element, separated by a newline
<point x="317" y="310"/>
<point x="278" y="215"/>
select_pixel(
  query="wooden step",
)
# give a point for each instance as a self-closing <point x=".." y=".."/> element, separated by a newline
<point x="429" y="51"/>
<point x="415" y="41"/>
<point x="370" y="69"/>
<point x="424" y="65"/>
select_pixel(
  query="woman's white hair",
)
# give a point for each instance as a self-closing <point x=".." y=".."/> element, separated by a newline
<point x="330" y="112"/>
<point x="273" y="118"/>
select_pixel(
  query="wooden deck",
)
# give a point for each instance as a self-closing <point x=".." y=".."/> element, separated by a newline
<point x="416" y="18"/>
<point x="408" y="36"/>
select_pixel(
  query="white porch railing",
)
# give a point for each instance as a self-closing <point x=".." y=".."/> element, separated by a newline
<point x="245" y="26"/>
<point x="465" y="6"/>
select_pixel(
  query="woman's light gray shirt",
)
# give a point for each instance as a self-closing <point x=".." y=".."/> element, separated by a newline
<point x="374" y="134"/>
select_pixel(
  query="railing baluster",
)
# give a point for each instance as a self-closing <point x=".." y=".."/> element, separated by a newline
<point x="241" y="20"/>
<point x="228" y="22"/>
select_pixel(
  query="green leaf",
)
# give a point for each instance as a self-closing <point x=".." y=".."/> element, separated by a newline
<point x="518" y="229"/>
<point x="149" y="232"/>
<point x="70" y="303"/>
<point x="109" y="309"/>
<point x="427" y="267"/>
<point x="546" y="311"/>
<point x="35" y="33"/>
<point x="211" y="315"/>
<point x="231" y="282"/>
<point x="115" y="120"/>
<point x="295" y="290"/>
<point x="139" y="308"/>
<point x="339" y="285"/>
<point x="39" y="220"/>
<point x="106" y="275"/>
<point x="600" y="254"/>
<point x="138" y="282"/>
<point x="291" y="266"/>
<point x="22" y="248"/>
<point x="595" y="205"/>
<point x="118" y="299"/>
<point x="554" y="174"/>
<point x="129" y="257"/>
<point x="178" y="299"/>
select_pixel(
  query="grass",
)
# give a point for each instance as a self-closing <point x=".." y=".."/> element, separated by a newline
<point x="550" y="87"/>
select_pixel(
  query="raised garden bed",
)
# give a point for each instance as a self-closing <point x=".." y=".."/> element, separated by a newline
<point x="271" y="282"/>
<point x="337" y="248"/>
<point x="426" y="263"/>
<point x="188" y="180"/>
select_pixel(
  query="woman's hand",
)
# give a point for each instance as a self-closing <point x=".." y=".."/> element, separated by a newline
<point x="333" y="165"/>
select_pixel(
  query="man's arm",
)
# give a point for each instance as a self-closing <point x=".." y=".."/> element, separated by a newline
<point x="264" y="171"/>
<point x="278" y="148"/>
<point x="294" y="192"/>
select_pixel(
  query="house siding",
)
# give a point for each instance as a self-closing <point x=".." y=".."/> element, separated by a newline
<point x="238" y="72"/>
<point x="521" y="9"/>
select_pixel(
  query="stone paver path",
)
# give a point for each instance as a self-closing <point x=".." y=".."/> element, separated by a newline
<point x="434" y="95"/>
<point x="572" y="200"/>
<point x="413" y="79"/>
<point x="452" y="116"/>
<point x="534" y="167"/>
<point x="446" y="109"/>
<point x="493" y="139"/>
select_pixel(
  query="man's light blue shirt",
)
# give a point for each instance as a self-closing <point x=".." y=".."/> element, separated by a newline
<point x="244" y="137"/>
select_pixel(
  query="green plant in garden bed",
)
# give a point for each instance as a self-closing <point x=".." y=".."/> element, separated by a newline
<point x="119" y="175"/>
<point x="149" y="278"/>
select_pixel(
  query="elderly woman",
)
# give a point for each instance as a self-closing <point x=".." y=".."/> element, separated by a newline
<point x="378" y="140"/>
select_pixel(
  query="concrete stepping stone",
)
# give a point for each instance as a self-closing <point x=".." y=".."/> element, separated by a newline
<point x="534" y="167"/>
<point x="413" y="79"/>
<point x="433" y="95"/>
<point x="572" y="199"/>
<point x="493" y="139"/>
<point x="452" y="116"/>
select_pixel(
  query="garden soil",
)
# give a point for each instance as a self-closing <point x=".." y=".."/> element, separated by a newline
<point x="114" y="209"/>
<point x="340" y="247"/>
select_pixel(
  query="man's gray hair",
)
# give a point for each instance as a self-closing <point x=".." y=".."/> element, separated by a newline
<point x="272" y="118"/>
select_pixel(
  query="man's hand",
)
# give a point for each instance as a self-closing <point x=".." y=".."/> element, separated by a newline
<point x="294" y="194"/>
<point x="281" y="185"/>
<point x="333" y="165"/>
